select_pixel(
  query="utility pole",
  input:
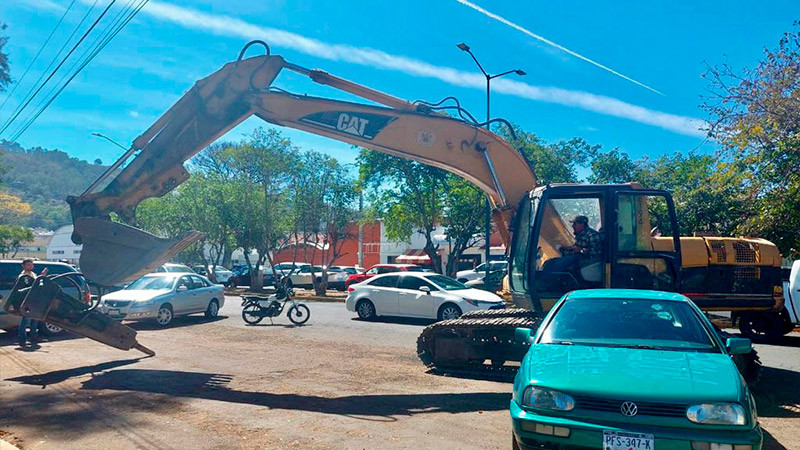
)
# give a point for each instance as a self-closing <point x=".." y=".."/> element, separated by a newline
<point x="488" y="207"/>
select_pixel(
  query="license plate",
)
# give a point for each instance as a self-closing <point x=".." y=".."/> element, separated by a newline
<point x="113" y="312"/>
<point x="622" y="440"/>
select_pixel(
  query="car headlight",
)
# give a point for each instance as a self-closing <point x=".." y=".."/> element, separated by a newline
<point x="536" y="397"/>
<point x="717" y="414"/>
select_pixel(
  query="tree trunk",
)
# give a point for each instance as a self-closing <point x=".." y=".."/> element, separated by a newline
<point x="256" y="275"/>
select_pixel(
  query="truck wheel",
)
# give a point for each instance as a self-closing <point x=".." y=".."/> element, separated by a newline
<point x="761" y="326"/>
<point x="788" y="326"/>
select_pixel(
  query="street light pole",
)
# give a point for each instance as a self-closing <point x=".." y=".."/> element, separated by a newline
<point x="488" y="208"/>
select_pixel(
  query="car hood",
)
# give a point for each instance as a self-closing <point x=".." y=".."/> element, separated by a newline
<point x="636" y="374"/>
<point x="136" y="294"/>
<point x="477" y="294"/>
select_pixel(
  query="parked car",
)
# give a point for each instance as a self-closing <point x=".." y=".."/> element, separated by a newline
<point x="337" y="277"/>
<point x="164" y="296"/>
<point x="480" y="271"/>
<point x="174" y="268"/>
<point x="221" y="274"/>
<point x="350" y="270"/>
<point x="301" y="276"/>
<point x="241" y="277"/>
<point x="417" y="294"/>
<point x="631" y="369"/>
<point x="11" y="268"/>
<point x="379" y="269"/>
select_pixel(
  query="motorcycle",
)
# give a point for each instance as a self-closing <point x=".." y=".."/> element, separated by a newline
<point x="257" y="307"/>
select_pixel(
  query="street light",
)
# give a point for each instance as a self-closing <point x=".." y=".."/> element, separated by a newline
<point x="487" y="209"/>
<point x="110" y="140"/>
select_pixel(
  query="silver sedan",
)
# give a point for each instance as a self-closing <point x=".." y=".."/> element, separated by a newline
<point x="164" y="296"/>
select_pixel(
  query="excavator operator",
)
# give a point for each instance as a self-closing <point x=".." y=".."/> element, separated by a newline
<point x="588" y="248"/>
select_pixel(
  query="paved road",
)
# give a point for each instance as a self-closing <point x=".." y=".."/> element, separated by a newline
<point x="333" y="321"/>
<point x="335" y="383"/>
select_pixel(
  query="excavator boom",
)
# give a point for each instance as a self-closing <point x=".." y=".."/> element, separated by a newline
<point x="114" y="252"/>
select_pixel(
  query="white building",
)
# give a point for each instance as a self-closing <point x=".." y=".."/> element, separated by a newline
<point x="61" y="247"/>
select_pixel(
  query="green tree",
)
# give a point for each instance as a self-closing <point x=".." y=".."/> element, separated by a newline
<point x="463" y="219"/>
<point x="258" y="172"/>
<point x="407" y="195"/>
<point x="552" y="163"/>
<point x="5" y="76"/>
<point x="755" y="115"/>
<point x="612" y="167"/>
<point x="321" y="201"/>
<point x="11" y="239"/>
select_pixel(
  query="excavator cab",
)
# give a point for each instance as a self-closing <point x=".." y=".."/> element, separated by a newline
<point x="639" y="245"/>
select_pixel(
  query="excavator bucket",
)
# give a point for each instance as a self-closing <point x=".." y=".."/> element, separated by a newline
<point x="114" y="252"/>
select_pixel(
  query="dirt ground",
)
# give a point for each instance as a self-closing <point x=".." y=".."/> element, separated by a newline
<point x="336" y="383"/>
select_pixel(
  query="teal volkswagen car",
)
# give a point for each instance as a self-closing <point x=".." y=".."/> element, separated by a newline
<point x="634" y="370"/>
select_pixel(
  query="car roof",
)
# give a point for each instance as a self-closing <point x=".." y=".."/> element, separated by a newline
<point x="36" y="261"/>
<point x="633" y="294"/>
<point x="394" y="265"/>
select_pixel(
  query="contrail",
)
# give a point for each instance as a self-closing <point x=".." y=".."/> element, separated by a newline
<point x="232" y="27"/>
<point x="551" y="43"/>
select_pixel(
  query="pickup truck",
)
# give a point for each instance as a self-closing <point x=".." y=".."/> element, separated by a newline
<point x="764" y="326"/>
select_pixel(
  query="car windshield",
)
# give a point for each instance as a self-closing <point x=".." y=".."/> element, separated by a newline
<point x="446" y="283"/>
<point x="335" y="269"/>
<point x="415" y="269"/>
<point x="152" y="283"/>
<point x="635" y="323"/>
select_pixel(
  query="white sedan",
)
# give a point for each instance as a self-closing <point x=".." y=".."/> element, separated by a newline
<point x="417" y="294"/>
<point x="163" y="296"/>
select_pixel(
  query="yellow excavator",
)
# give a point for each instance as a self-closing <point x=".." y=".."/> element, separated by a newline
<point x="640" y="245"/>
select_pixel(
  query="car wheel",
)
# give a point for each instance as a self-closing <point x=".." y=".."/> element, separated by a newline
<point x="50" y="330"/>
<point x="365" y="310"/>
<point x="213" y="309"/>
<point x="164" y="315"/>
<point x="449" y="311"/>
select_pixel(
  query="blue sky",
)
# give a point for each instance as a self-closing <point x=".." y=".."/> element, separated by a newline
<point x="409" y="50"/>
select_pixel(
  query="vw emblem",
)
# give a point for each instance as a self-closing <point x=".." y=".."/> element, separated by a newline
<point x="629" y="409"/>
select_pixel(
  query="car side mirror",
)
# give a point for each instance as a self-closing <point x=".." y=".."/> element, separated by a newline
<point x="523" y="335"/>
<point x="425" y="289"/>
<point x="739" y="346"/>
<point x="183" y="287"/>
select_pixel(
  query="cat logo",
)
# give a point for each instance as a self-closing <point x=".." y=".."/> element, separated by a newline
<point x="364" y="125"/>
<point x="351" y="124"/>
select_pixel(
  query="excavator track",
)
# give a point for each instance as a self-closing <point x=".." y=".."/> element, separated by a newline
<point x="461" y="347"/>
<point x="494" y="313"/>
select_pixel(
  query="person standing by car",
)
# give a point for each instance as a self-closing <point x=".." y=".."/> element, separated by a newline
<point x="26" y="277"/>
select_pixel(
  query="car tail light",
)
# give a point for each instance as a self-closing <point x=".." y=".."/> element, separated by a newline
<point x="350" y="289"/>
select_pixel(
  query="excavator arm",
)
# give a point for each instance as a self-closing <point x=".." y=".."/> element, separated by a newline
<point x="114" y="252"/>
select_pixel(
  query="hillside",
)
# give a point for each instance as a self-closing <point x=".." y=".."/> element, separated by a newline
<point x="44" y="178"/>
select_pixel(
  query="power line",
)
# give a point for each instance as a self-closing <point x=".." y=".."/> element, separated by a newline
<point x="56" y="88"/>
<point x="39" y="52"/>
<point x="85" y="63"/>
<point x="53" y="61"/>
<point x="74" y="47"/>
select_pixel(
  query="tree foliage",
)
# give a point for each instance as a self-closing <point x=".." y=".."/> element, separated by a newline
<point x="755" y="115"/>
<point x="44" y="178"/>
<point x="5" y="76"/>
<point x="11" y="239"/>
<point x="12" y="209"/>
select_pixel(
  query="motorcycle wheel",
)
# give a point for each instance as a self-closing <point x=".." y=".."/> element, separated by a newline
<point x="251" y="314"/>
<point x="299" y="314"/>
